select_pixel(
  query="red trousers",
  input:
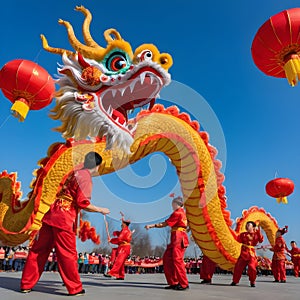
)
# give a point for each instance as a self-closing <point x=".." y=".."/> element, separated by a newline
<point x="241" y="265"/>
<point x="278" y="269"/>
<point x="113" y="256"/>
<point x="296" y="263"/>
<point x="64" y="243"/>
<point x="118" y="268"/>
<point x="174" y="267"/>
<point x="207" y="268"/>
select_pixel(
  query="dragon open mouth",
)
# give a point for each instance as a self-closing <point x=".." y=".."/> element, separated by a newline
<point x="140" y="90"/>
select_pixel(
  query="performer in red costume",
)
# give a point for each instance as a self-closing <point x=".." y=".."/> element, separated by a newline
<point x="295" y="255"/>
<point x="249" y="240"/>
<point x="278" y="259"/>
<point x="207" y="270"/>
<point x="174" y="267"/>
<point x="122" y="239"/>
<point x="59" y="229"/>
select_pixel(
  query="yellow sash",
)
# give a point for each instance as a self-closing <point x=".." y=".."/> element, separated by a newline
<point x="178" y="228"/>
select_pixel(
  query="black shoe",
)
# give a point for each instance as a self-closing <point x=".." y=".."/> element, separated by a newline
<point x="170" y="287"/>
<point x="107" y="275"/>
<point x="25" y="291"/>
<point x="275" y="280"/>
<point x="252" y="284"/>
<point x="180" y="288"/>
<point x="205" y="281"/>
<point x="81" y="293"/>
<point x="283" y="281"/>
<point x="120" y="278"/>
<point x="233" y="283"/>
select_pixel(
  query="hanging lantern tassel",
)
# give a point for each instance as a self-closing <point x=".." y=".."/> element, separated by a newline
<point x="292" y="69"/>
<point x="282" y="200"/>
<point x="20" y="109"/>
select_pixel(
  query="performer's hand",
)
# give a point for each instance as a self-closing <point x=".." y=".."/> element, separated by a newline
<point x="148" y="227"/>
<point x="104" y="211"/>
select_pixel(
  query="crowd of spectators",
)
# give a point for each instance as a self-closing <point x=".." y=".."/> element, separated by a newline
<point x="100" y="263"/>
<point x="13" y="259"/>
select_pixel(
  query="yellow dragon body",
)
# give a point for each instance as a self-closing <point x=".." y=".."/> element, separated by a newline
<point x="91" y="77"/>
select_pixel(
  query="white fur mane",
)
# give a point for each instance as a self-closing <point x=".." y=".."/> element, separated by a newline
<point x="78" y="123"/>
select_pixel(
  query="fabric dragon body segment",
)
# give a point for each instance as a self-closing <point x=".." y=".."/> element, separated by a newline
<point x="98" y="86"/>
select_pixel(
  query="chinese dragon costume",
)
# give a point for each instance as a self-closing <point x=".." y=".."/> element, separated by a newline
<point x="98" y="88"/>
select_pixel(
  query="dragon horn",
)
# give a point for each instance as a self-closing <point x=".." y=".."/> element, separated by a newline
<point x="86" y="27"/>
<point x="86" y="51"/>
<point x="111" y="35"/>
<point x="54" y="50"/>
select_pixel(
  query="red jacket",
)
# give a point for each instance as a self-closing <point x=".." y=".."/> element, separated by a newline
<point x="74" y="195"/>
<point x="123" y="237"/>
<point x="178" y="223"/>
<point x="279" y="249"/>
<point x="177" y="219"/>
<point x="295" y="254"/>
<point x="249" y="241"/>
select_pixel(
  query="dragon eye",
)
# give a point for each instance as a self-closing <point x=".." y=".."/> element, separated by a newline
<point x="146" y="55"/>
<point x="116" y="62"/>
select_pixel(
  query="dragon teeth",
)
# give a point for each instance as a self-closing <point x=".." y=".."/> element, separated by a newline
<point x="110" y="110"/>
<point x="142" y="76"/>
<point x="113" y="91"/>
<point x="122" y="91"/>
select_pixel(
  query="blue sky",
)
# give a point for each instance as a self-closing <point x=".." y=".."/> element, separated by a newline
<point x="210" y="43"/>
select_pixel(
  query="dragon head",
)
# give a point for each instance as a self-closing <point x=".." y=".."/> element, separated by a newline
<point x="100" y="87"/>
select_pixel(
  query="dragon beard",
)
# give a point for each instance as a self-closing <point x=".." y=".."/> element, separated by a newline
<point x="80" y="124"/>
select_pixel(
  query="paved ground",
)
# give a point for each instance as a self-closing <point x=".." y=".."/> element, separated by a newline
<point x="151" y="286"/>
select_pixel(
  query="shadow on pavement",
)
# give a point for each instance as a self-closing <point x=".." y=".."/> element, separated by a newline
<point x="47" y="287"/>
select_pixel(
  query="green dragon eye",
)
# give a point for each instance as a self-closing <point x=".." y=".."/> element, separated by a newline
<point x="116" y="62"/>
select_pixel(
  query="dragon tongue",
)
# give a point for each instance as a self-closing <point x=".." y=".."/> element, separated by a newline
<point x="116" y="115"/>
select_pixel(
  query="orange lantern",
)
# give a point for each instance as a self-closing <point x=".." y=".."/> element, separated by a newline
<point x="280" y="188"/>
<point x="276" y="46"/>
<point x="27" y="85"/>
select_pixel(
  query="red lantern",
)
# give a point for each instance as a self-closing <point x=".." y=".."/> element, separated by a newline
<point x="27" y="85"/>
<point x="276" y="46"/>
<point x="280" y="188"/>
